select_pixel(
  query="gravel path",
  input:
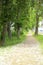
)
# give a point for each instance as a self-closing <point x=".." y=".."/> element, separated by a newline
<point x="26" y="53"/>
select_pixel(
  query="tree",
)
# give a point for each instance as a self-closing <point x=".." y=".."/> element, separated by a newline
<point x="6" y="16"/>
<point x="38" y="5"/>
<point x="21" y="15"/>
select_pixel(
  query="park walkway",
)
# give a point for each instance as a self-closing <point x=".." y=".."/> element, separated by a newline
<point x="26" y="53"/>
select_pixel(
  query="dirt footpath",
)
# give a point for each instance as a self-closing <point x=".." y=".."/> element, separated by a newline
<point x="26" y="53"/>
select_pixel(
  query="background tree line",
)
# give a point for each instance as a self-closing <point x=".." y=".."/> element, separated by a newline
<point x="23" y="14"/>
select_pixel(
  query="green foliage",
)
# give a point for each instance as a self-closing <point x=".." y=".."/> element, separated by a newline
<point x="23" y="13"/>
<point x="7" y="10"/>
<point x="32" y="18"/>
<point x="14" y="40"/>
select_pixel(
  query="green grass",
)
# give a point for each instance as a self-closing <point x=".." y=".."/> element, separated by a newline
<point x="40" y="39"/>
<point x="14" y="40"/>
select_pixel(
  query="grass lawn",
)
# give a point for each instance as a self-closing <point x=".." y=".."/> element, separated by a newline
<point x="40" y="39"/>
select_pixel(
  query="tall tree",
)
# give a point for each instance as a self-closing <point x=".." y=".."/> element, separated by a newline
<point x="3" y="19"/>
<point x="9" y="16"/>
<point x="21" y="14"/>
<point x="6" y="16"/>
<point x="37" y="6"/>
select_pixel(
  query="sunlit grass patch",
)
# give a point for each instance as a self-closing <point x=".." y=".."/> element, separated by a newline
<point x="40" y="39"/>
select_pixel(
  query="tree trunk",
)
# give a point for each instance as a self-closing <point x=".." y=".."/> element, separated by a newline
<point x="37" y="23"/>
<point x="3" y="34"/>
<point x="18" y="32"/>
<point x="9" y="31"/>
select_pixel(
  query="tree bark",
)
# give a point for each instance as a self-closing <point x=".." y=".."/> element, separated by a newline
<point x="3" y="34"/>
<point x="37" y="24"/>
<point x="18" y="32"/>
<point x="8" y="30"/>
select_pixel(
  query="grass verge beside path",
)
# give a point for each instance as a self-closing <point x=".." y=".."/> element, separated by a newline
<point x="14" y="40"/>
<point x="40" y="39"/>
